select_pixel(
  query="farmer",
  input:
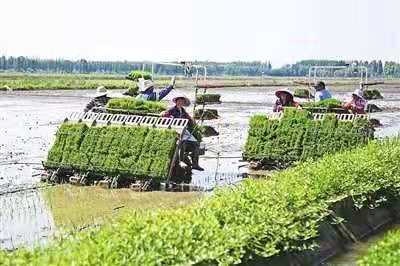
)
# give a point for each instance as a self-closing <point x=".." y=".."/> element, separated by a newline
<point x="285" y="98"/>
<point x="357" y="103"/>
<point x="100" y="99"/>
<point x="147" y="92"/>
<point x="190" y="143"/>
<point x="322" y="93"/>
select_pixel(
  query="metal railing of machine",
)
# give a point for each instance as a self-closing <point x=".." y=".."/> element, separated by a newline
<point x="132" y="120"/>
<point x="321" y="116"/>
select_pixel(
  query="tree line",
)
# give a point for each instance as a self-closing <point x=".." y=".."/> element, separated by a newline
<point x="237" y="68"/>
<point x="83" y="66"/>
<point x="375" y="68"/>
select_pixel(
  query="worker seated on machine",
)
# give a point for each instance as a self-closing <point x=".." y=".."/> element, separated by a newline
<point x="285" y="99"/>
<point x="322" y="93"/>
<point x="357" y="103"/>
<point x="148" y="93"/>
<point x="189" y="142"/>
<point x="100" y="100"/>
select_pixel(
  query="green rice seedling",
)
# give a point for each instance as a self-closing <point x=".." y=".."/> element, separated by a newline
<point x="75" y="134"/>
<point x="372" y="94"/>
<point x="206" y="114"/>
<point x="133" y="90"/>
<point x="264" y="217"/>
<point x="208" y="98"/>
<point x="302" y="93"/>
<point x="136" y="74"/>
<point x="328" y="103"/>
<point x="296" y="137"/>
<point x="114" y="150"/>
<point x="130" y="105"/>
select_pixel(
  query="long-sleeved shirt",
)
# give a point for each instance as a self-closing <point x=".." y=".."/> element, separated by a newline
<point x="152" y="95"/>
<point x="322" y="95"/>
<point x="97" y="102"/>
<point x="175" y="112"/>
<point x="358" y="105"/>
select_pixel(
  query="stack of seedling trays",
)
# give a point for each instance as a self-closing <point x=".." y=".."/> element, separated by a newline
<point x="302" y="93"/>
<point x="134" y="76"/>
<point x="115" y="150"/>
<point x="298" y="135"/>
<point x="206" y="99"/>
<point x="136" y="107"/>
<point x="372" y="94"/>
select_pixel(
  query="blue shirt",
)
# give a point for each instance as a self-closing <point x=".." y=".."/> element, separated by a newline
<point x="151" y="95"/>
<point x="322" y="95"/>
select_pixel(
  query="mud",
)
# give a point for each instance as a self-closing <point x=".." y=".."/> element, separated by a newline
<point x="29" y="120"/>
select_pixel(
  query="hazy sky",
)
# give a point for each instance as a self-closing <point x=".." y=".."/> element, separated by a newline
<point x="282" y="31"/>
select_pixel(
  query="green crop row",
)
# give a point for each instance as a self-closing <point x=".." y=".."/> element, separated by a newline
<point x="65" y="82"/>
<point x="208" y="98"/>
<point x="130" y="105"/>
<point x="296" y="137"/>
<point x="136" y="74"/>
<point x="372" y="94"/>
<point x="383" y="253"/>
<point x="262" y="217"/>
<point x="302" y="93"/>
<point x="113" y="150"/>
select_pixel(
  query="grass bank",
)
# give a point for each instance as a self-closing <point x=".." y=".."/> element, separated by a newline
<point x="257" y="217"/>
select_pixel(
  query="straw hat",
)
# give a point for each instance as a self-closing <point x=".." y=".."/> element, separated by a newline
<point x="278" y="92"/>
<point x="101" y="91"/>
<point x="178" y="96"/>
<point x="358" y="93"/>
<point x="145" y="84"/>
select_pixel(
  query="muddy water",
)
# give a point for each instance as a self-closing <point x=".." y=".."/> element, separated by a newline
<point x="28" y="122"/>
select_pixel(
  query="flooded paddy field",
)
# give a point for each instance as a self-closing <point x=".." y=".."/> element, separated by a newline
<point x="29" y="120"/>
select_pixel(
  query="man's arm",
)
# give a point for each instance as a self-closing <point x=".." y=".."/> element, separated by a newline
<point x="90" y="105"/>
<point x="164" y="92"/>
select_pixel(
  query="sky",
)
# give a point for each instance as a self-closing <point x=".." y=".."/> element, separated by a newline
<point x="280" y="31"/>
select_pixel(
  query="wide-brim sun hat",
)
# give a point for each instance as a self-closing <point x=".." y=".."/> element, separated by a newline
<point x="145" y="84"/>
<point x="101" y="91"/>
<point x="358" y="93"/>
<point x="278" y="92"/>
<point x="181" y="96"/>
